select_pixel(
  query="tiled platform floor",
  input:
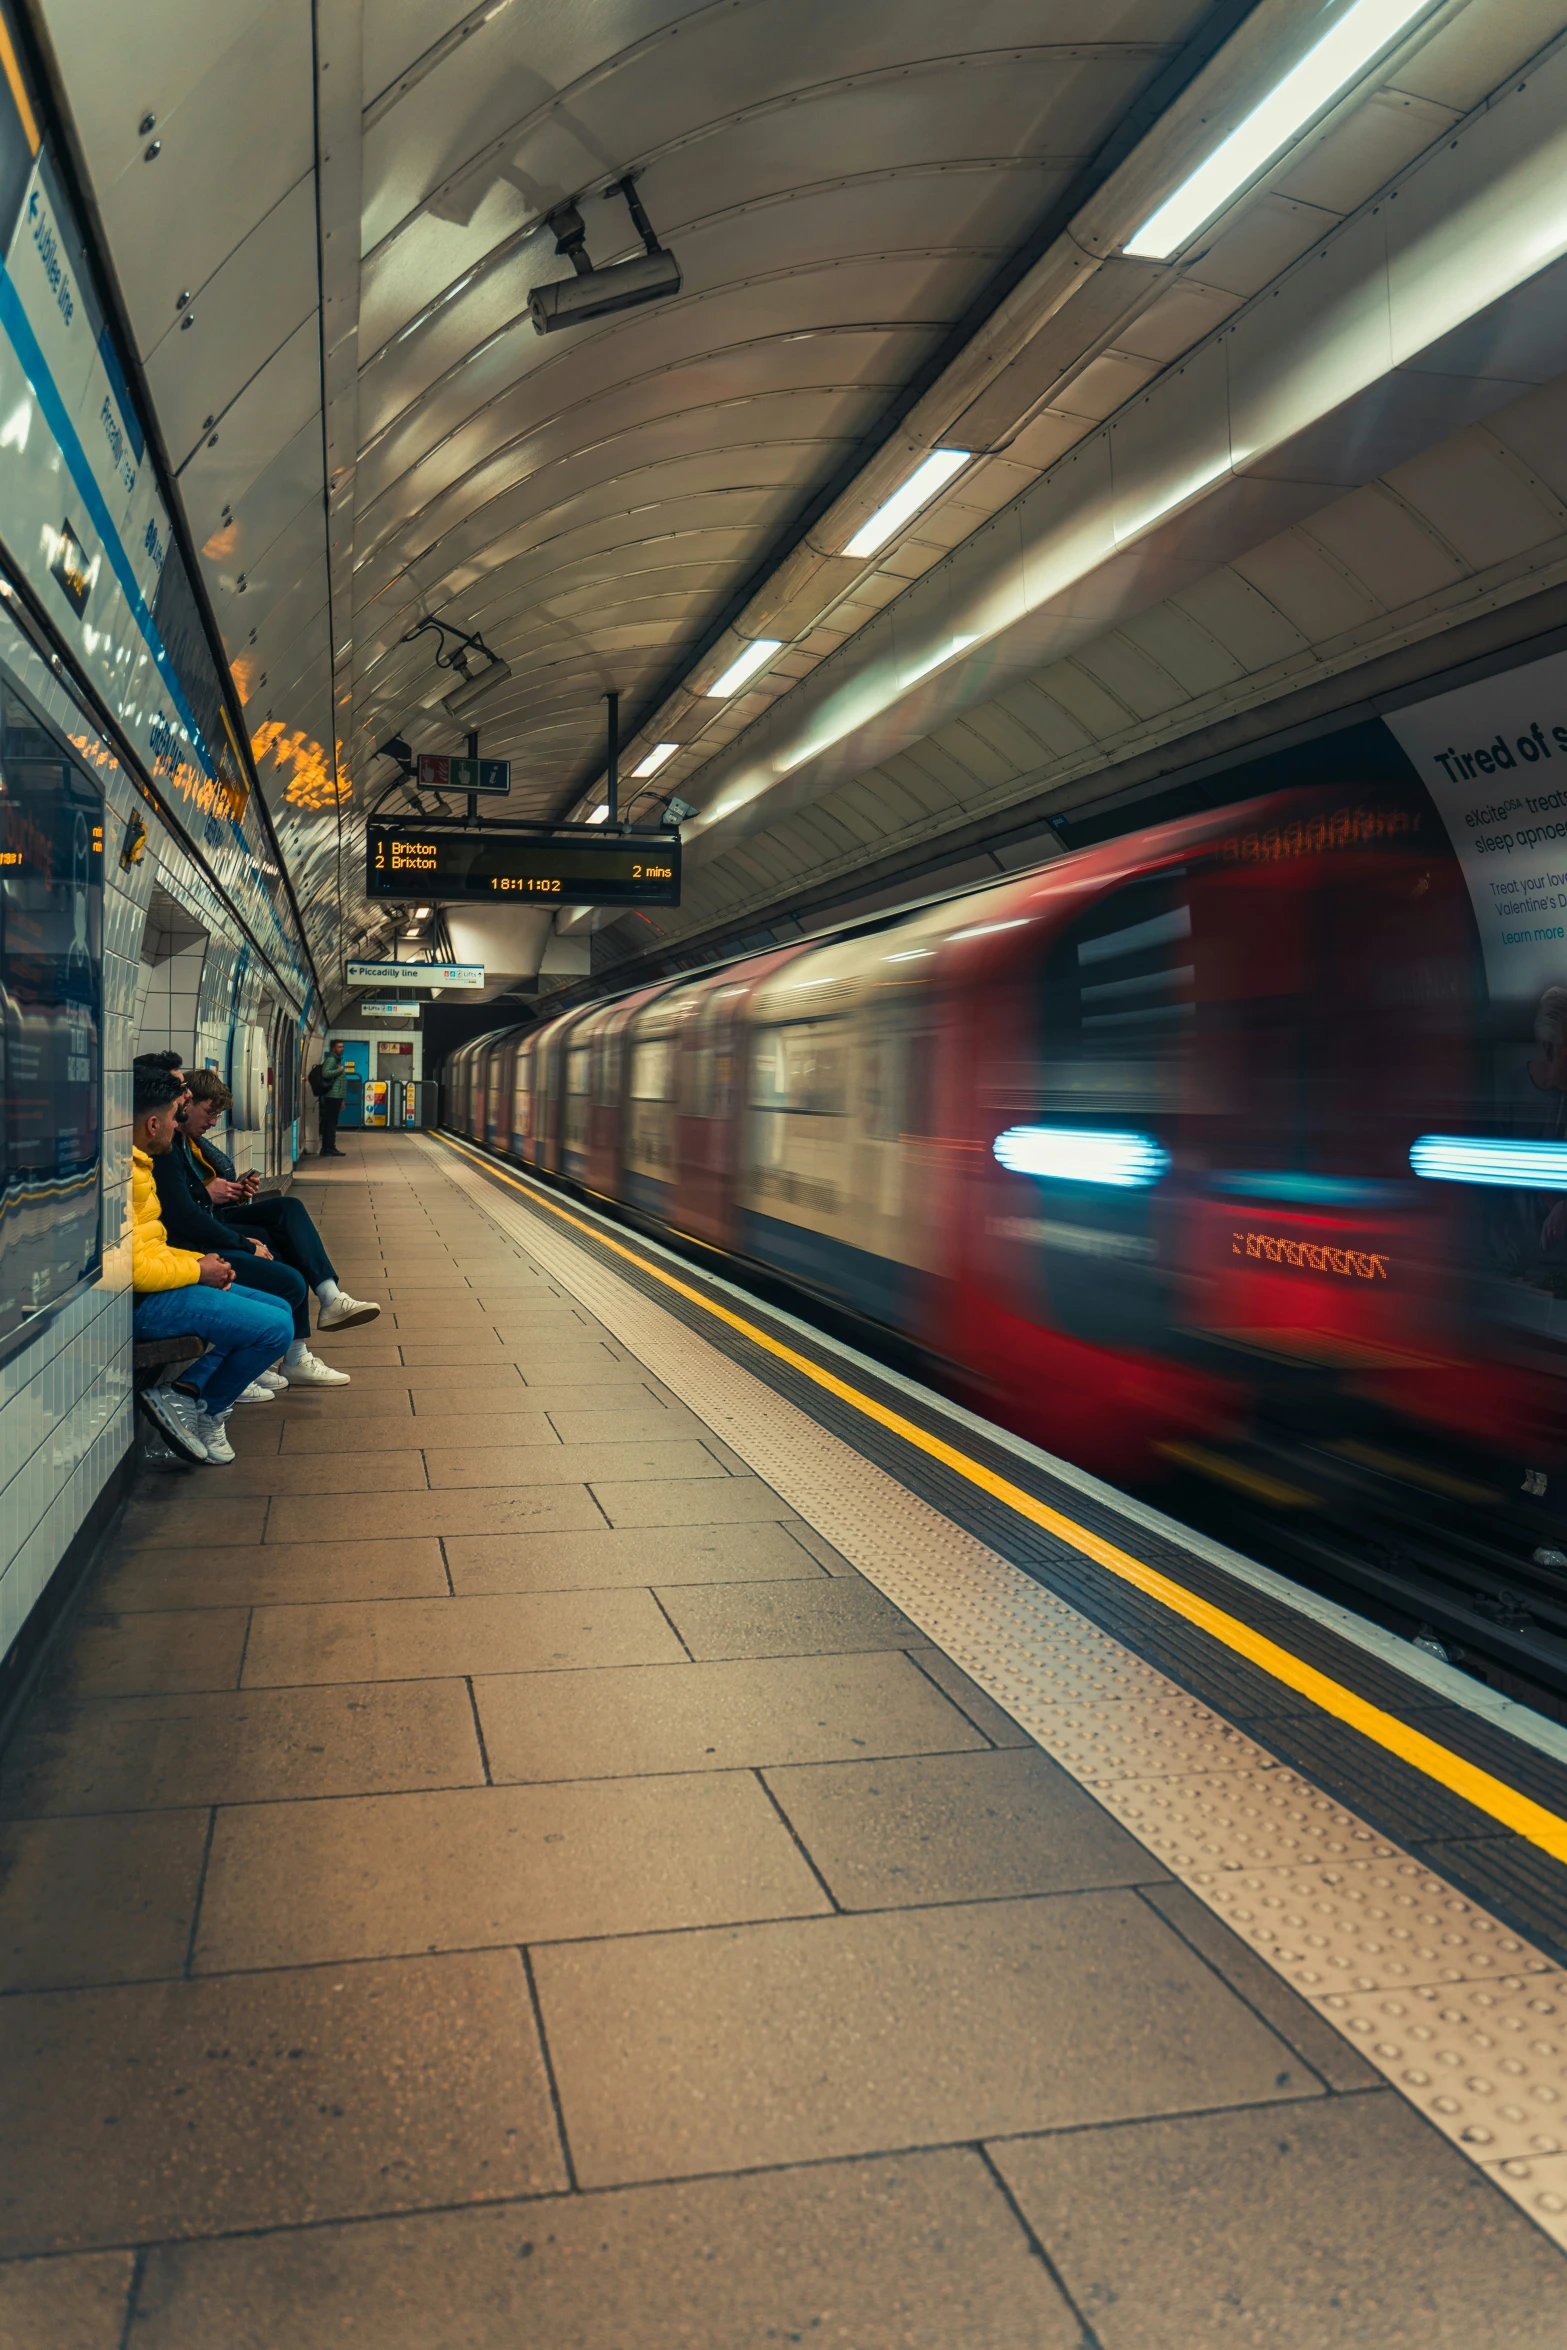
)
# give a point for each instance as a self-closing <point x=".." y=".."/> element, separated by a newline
<point x="481" y="1873"/>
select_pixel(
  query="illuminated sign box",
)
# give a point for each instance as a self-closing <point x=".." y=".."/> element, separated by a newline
<point x="465" y="775"/>
<point x="627" y="869"/>
<point x="416" y="975"/>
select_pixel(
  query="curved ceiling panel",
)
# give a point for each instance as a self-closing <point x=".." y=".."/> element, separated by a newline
<point x="870" y="207"/>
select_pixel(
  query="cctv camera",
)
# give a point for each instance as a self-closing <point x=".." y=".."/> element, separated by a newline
<point x="678" y="811"/>
<point x="622" y="286"/>
<point x="478" y="687"/>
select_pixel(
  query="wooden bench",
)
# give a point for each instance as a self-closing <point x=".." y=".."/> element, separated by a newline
<point x="154" y="1360"/>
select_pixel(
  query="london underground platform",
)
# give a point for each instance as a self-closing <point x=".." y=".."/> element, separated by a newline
<point x="630" y="1826"/>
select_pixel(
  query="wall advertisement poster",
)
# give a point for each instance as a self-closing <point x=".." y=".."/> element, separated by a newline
<point x="1493" y="757"/>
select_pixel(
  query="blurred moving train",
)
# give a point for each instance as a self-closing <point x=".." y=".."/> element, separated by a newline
<point x="1176" y="1151"/>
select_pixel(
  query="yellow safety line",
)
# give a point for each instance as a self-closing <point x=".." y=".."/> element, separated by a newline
<point x="1490" y="1795"/>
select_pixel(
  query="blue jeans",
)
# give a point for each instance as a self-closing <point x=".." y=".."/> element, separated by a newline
<point x="244" y="1332"/>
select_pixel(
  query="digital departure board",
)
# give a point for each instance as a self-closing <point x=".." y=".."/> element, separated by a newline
<point x="432" y="860"/>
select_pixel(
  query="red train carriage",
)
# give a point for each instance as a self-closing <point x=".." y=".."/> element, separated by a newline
<point x="1124" y="1146"/>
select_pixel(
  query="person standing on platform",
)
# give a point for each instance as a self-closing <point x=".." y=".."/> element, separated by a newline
<point x="180" y="1292"/>
<point x="330" y="1099"/>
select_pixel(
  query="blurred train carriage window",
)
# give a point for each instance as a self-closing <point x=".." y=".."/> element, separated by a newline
<point x="579" y="1095"/>
<point x="798" y="1087"/>
<point x="883" y="1087"/>
<point x="51" y="925"/>
<point x="650" y="1140"/>
<point x="1336" y="999"/>
<point x="607" y="1055"/>
<point x="1113" y="1015"/>
<point x="653" y="1069"/>
<point x="1118" y="1007"/>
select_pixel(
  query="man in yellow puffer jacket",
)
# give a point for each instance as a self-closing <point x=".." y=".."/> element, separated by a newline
<point x="179" y="1293"/>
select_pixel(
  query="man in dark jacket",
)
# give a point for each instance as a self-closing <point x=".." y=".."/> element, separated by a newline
<point x="191" y="1223"/>
<point x="330" y="1100"/>
<point x="285" y="1224"/>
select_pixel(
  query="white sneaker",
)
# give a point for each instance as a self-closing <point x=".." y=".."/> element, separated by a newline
<point x="254" y="1393"/>
<point x="311" y="1371"/>
<point x="162" y="1407"/>
<point x="214" y="1435"/>
<point x="273" y="1381"/>
<point x="345" y="1313"/>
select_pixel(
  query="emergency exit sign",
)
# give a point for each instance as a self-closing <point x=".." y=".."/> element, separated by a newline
<point x="463" y="775"/>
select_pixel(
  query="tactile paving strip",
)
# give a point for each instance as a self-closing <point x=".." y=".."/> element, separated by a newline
<point x="1465" y="2019"/>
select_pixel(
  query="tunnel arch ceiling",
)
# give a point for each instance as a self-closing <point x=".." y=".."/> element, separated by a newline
<point x="325" y="267"/>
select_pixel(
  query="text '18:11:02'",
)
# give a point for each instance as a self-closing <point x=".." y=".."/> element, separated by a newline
<point x="404" y="861"/>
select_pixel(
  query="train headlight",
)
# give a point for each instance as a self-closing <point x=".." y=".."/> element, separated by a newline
<point x="1463" y="1158"/>
<point x="1076" y="1154"/>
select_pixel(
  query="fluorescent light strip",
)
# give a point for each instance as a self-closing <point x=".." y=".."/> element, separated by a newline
<point x="1076" y="1154"/>
<point x="756" y="656"/>
<point x="600" y="814"/>
<point x="1305" y="90"/>
<point x="1514" y="1166"/>
<point x="921" y="486"/>
<point x="656" y="757"/>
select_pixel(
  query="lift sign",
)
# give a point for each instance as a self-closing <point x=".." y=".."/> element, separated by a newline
<point x="630" y="869"/>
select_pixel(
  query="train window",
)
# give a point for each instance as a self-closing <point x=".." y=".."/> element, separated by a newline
<point x="1118" y="1005"/>
<point x="606" y="1090"/>
<point x="653" y="1069"/>
<point x="884" y="1084"/>
<point x="798" y="1098"/>
<point x="800" y="1067"/>
<point x="579" y="1080"/>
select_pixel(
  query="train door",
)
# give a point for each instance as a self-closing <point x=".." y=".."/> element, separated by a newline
<point x="705" y="1113"/>
<point x="1066" y="1223"/>
<point x="713" y="1093"/>
<point x="1114" y="1012"/>
<point x="550" y="1083"/>
<point x="881" y="1039"/>
<point x="576" y="1132"/>
<point x="1335" y="987"/>
<point x="604" y="1114"/>
<point x="522" y="1100"/>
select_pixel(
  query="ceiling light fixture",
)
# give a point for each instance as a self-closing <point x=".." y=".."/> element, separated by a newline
<point x="655" y="759"/>
<point x="1306" y="89"/>
<point x="921" y="486"/>
<point x="600" y="814"/>
<point x="739" y="672"/>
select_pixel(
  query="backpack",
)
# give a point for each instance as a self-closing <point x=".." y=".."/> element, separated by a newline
<point x="317" y="1082"/>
